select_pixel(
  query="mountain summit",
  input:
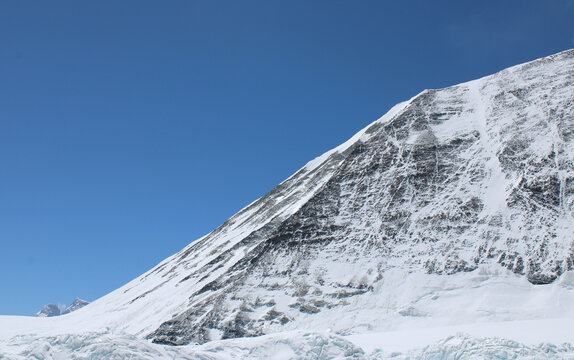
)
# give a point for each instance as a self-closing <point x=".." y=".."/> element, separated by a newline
<point x="454" y="208"/>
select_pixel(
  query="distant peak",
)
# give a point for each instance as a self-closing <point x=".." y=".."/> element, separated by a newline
<point x="51" y="310"/>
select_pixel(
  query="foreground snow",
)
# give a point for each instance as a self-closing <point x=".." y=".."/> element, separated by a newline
<point x="315" y="345"/>
<point x="486" y="313"/>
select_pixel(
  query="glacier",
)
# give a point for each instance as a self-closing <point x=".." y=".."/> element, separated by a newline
<point x="445" y="229"/>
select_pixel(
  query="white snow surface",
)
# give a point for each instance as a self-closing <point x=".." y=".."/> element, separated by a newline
<point x="490" y="312"/>
<point x="463" y="316"/>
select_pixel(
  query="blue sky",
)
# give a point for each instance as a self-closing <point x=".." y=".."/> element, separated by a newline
<point x="130" y="128"/>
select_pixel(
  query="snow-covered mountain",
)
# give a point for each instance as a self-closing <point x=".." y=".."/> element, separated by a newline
<point x="51" y="310"/>
<point x="75" y="305"/>
<point x="453" y="212"/>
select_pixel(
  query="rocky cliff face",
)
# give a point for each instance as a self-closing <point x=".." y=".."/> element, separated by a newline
<point x="481" y="172"/>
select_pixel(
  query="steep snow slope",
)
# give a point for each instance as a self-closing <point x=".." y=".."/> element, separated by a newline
<point x="142" y="305"/>
<point x="475" y="181"/>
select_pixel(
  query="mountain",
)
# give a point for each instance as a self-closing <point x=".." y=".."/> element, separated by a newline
<point x="77" y="304"/>
<point x="453" y="212"/>
<point x="49" y="310"/>
<point x="473" y="174"/>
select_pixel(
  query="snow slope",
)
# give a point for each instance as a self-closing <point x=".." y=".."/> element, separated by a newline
<point x="452" y="213"/>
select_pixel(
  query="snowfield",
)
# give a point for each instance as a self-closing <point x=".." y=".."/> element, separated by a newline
<point x="443" y="230"/>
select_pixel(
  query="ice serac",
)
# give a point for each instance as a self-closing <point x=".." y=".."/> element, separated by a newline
<point x="478" y="173"/>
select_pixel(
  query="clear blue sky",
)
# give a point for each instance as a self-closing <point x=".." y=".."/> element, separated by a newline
<point x="130" y="128"/>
